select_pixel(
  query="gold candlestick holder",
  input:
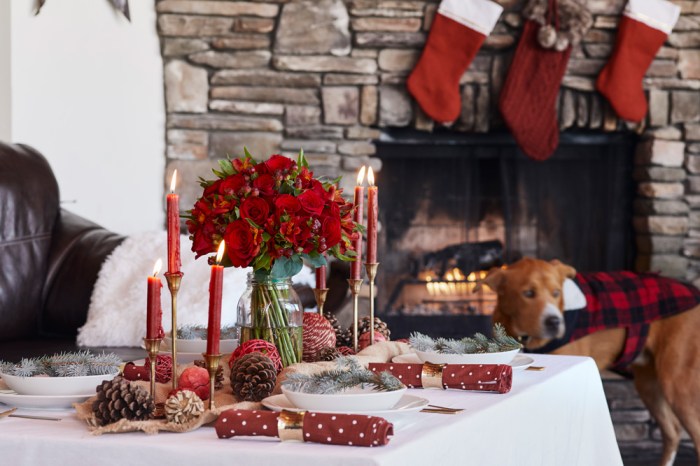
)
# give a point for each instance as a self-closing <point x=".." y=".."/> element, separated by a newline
<point x="320" y="294"/>
<point x="371" y="269"/>
<point x="174" y="280"/>
<point x="152" y="347"/>
<point x="212" y="363"/>
<point x="355" y="287"/>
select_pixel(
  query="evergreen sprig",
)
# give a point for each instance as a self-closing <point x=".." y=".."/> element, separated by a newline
<point x="347" y="374"/>
<point x="479" y="343"/>
<point x="70" y="364"/>
<point x="199" y="332"/>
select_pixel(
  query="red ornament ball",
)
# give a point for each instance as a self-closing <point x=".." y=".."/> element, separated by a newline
<point x="195" y="379"/>
<point x="346" y="351"/>
<point x="164" y="368"/>
<point x="260" y="346"/>
<point x="318" y="334"/>
<point x="363" y="341"/>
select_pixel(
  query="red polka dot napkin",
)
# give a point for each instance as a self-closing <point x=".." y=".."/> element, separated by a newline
<point x="483" y="377"/>
<point x="336" y="429"/>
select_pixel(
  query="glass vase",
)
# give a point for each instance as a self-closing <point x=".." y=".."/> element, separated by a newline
<point x="271" y="310"/>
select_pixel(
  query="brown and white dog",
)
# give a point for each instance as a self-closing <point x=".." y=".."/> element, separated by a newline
<point x="531" y="303"/>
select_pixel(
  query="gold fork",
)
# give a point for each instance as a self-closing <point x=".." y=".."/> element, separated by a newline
<point x="7" y="413"/>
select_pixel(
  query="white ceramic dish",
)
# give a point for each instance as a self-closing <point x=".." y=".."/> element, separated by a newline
<point x="519" y="362"/>
<point x="200" y="346"/>
<point x="407" y="404"/>
<point x="502" y="357"/>
<point x="356" y="399"/>
<point x="16" y="400"/>
<point x="55" y="386"/>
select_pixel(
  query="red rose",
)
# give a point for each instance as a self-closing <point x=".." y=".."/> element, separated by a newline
<point x="261" y="168"/>
<point x="279" y="163"/>
<point x="202" y="239"/>
<point x="265" y="184"/>
<point x="287" y="202"/>
<point x="331" y="231"/>
<point x="242" y="242"/>
<point x="256" y="209"/>
<point x="232" y="185"/>
<point x="311" y="202"/>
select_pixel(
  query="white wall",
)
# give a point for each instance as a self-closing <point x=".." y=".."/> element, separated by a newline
<point x="87" y="92"/>
<point x="5" y="108"/>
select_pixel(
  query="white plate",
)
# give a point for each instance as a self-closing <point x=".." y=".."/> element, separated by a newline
<point x="183" y="358"/>
<point x="199" y="346"/>
<point x="354" y="399"/>
<point x="16" y="400"/>
<point x="54" y="386"/>
<point x="408" y="404"/>
<point x="501" y="357"/>
<point x="519" y="362"/>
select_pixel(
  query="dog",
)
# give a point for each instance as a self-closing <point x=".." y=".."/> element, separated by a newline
<point x="663" y="355"/>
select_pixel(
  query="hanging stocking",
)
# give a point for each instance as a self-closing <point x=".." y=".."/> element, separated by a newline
<point x="458" y="30"/>
<point x="644" y="26"/>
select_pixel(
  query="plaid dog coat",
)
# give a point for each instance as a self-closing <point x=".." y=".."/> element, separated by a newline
<point x="624" y="300"/>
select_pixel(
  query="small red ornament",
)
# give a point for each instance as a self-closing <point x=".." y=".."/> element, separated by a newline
<point x="346" y="351"/>
<point x="133" y="372"/>
<point x="164" y="368"/>
<point x="260" y="346"/>
<point x="363" y="342"/>
<point x="318" y="334"/>
<point x="196" y="379"/>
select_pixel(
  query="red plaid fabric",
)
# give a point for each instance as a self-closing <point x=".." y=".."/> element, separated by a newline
<point x="336" y="429"/>
<point x="626" y="300"/>
<point x="480" y="377"/>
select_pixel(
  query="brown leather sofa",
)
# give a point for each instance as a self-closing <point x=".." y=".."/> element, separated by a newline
<point x="49" y="260"/>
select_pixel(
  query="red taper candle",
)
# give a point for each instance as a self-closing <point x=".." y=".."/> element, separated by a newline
<point x="153" y="311"/>
<point x="358" y="217"/>
<point x="173" y="202"/>
<point x="372" y="214"/>
<point x="321" y="277"/>
<point x="216" y="283"/>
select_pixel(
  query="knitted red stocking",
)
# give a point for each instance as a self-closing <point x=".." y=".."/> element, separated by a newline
<point x="458" y="30"/>
<point x="644" y="26"/>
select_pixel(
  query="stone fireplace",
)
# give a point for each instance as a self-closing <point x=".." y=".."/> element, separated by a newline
<point x="329" y="76"/>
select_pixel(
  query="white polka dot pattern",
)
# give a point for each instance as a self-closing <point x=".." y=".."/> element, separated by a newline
<point x="481" y="377"/>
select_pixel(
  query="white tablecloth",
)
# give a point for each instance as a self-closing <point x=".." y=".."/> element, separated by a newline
<point x="557" y="417"/>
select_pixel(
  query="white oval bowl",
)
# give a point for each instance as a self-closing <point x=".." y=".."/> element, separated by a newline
<point x="55" y="386"/>
<point x="200" y="346"/>
<point x="353" y="400"/>
<point x="503" y="357"/>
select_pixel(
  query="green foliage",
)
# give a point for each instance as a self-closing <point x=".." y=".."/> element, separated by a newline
<point x="199" y="332"/>
<point x="71" y="364"/>
<point x="347" y="374"/>
<point x="479" y="343"/>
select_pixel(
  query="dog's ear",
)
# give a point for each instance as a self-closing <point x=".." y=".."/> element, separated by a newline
<point x="494" y="279"/>
<point x="565" y="271"/>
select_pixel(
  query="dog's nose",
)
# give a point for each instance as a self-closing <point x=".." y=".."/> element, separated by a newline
<point x="552" y="323"/>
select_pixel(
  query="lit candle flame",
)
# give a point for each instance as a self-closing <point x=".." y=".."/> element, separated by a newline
<point x="220" y="253"/>
<point x="370" y="176"/>
<point x="361" y="175"/>
<point x="157" y="266"/>
<point x="173" y="180"/>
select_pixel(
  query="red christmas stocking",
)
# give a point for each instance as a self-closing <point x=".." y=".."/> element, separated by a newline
<point x="644" y="26"/>
<point x="458" y="30"/>
<point x="529" y="94"/>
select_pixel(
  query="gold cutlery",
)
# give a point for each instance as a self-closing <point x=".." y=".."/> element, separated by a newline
<point x="441" y="410"/>
<point x="535" y="368"/>
<point x="40" y="418"/>
<point x="7" y="413"/>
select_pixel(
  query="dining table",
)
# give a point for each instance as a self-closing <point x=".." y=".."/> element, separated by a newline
<point x="555" y="414"/>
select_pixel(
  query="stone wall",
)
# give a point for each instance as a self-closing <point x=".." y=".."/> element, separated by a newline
<point x="328" y="75"/>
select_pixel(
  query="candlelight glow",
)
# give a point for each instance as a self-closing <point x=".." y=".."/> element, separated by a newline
<point x="361" y="176"/>
<point x="157" y="266"/>
<point x="220" y="253"/>
<point x="370" y="176"/>
<point x="173" y="180"/>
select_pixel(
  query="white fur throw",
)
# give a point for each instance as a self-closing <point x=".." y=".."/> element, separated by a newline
<point x="117" y="313"/>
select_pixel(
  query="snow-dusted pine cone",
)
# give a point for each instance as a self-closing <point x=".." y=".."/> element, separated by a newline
<point x="253" y="377"/>
<point x="183" y="407"/>
<point x="219" y="379"/>
<point x="379" y="326"/>
<point x="118" y="399"/>
<point x="327" y="354"/>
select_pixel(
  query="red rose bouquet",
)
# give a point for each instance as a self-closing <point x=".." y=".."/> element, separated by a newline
<point x="273" y="215"/>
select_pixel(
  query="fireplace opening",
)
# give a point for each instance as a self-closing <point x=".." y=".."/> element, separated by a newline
<point x="453" y="206"/>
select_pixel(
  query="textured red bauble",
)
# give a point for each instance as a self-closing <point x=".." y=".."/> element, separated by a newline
<point x="318" y="334"/>
<point x="363" y="341"/>
<point x="261" y="346"/>
<point x="195" y="379"/>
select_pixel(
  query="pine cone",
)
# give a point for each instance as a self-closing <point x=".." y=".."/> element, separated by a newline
<point x="379" y="326"/>
<point x="336" y="326"/>
<point x="183" y="407"/>
<point x="219" y="379"/>
<point x="253" y="377"/>
<point x="327" y="354"/>
<point x="344" y="338"/>
<point x="118" y="399"/>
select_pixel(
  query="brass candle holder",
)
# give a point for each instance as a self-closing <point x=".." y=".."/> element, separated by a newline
<point x="320" y="294"/>
<point x="174" y="280"/>
<point x="371" y="269"/>
<point x="355" y="287"/>
<point x="152" y="347"/>
<point x="212" y="363"/>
